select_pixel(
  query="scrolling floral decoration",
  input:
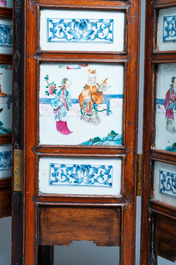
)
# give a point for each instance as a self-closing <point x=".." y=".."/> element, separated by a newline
<point x="81" y="175"/>
<point x="80" y="30"/>
<point x="169" y="28"/>
<point x="167" y="182"/>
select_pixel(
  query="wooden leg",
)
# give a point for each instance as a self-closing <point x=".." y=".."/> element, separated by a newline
<point x="45" y="255"/>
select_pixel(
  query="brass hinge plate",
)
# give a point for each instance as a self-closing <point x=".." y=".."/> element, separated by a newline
<point x="139" y="175"/>
<point x="18" y="170"/>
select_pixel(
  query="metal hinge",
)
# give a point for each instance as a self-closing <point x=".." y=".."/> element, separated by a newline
<point x="18" y="170"/>
<point x="139" y="175"/>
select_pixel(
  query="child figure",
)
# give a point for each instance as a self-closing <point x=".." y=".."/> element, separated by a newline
<point x="61" y="104"/>
<point x="169" y="105"/>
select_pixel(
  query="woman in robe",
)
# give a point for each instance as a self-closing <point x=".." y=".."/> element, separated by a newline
<point x="169" y="105"/>
<point x="61" y="104"/>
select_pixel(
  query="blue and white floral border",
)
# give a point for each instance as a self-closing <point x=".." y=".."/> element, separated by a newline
<point x="5" y="160"/>
<point x="80" y="30"/>
<point x="169" y="28"/>
<point x="6" y="36"/>
<point x="167" y="181"/>
<point x="81" y="175"/>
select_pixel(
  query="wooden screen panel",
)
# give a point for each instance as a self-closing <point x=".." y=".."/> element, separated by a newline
<point x="165" y="237"/>
<point x="159" y="158"/>
<point x="5" y="119"/>
<point x="40" y="204"/>
<point x="67" y="224"/>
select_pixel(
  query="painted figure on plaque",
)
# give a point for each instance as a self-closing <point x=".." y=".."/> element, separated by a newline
<point x="61" y="104"/>
<point x="4" y="130"/>
<point x="91" y="97"/>
<point x="170" y="106"/>
<point x="3" y="3"/>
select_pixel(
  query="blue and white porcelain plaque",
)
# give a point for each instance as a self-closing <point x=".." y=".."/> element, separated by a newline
<point x="70" y="175"/>
<point x="81" y="175"/>
<point x="166" y="30"/>
<point x="168" y="182"/>
<point x="80" y="30"/>
<point x="169" y="33"/>
<point x="6" y="36"/>
<point x="165" y="183"/>
<point x="5" y="161"/>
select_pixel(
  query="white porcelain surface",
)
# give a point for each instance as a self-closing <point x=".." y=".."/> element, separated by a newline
<point x="6" y="3"/>
<point x="5" y="161"/>
<point x="45" y="185"/>
<point x="166" y="44"/>
<point x="165" y="198"/>
<point x="81" y="130"/>
<point x="5" y="99"/>
<point x="117" y="43"/>
<point x="163" y="137"/>
<point x="6" y="36"/>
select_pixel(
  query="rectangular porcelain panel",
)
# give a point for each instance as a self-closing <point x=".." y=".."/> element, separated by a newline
<point x="165" y="183"/>
<point x="5" y="99"/>
<point x="6" y="3"/>
<point x="73" y="30"/>
<point x="5" y="161"/>
<point x="81" y="104"/>
<point x="82" y="176"/>
<point x="166" y="108"/>
<point x="167" y="29"/>
<point x="6" y="36"/>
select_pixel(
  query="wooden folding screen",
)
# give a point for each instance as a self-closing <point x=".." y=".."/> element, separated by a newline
<point x="159" y="193"/>
<point x="80" y="125"/>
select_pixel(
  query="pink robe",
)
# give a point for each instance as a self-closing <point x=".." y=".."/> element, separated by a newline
<point x="169" y="100"/>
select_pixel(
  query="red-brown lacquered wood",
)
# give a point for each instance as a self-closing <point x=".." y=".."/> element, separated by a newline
<point x="31" y="80"/>
<point x="163" y="3"/>
<point x="163" y="57"/>
<point x="163" y="156"/>
<point x="85" y="4"/>
<point x="5" y="12"/>
<point x="152" y="59"/>
<point x="145" y="225"/>
<point x="163" y="209"/>
<point x="62" y="225"/>
<point x="6" y="58"/>
<point x="5" y="139"/>
<point x="89" y="200"/>
<point x="165" y="237"/>
<point x="5" y="197"/>
<point x="80" y="150"/>
<point x="29" y="218"/>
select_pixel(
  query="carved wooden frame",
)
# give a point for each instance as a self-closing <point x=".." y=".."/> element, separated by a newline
<point x="34" y="202"/>
<point x="151" y="207"/>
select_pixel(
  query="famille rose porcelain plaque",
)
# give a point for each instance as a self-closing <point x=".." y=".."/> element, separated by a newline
<point x="167" y="29"/>
<point x="165" y="182"/>
<point x="5" y="99"/>
<point x="5" y="161"/>
<point x="165" y="135"/>
<point x="6" y="3"/>
<point x="73" y="30"/>
<point x="81" y="104"/>
<point x="70" y="175"/>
